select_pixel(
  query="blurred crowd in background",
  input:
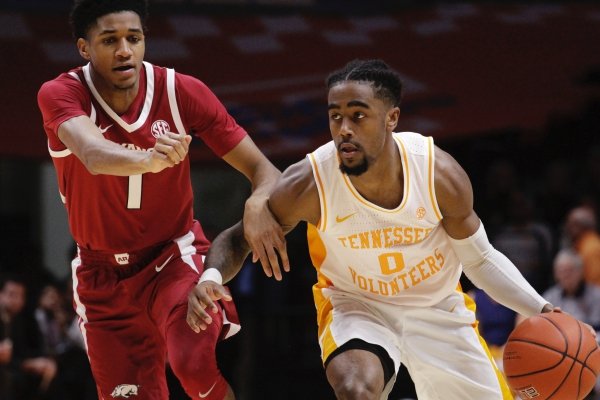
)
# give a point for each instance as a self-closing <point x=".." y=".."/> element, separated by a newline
<point x="537" y="189"/>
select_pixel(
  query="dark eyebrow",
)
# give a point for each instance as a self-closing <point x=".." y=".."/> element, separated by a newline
<point x="357" y="103"/>
<point x="111" y="31"/>
<point x="351" y="103"/>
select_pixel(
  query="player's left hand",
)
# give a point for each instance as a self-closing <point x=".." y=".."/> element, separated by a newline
<point x="174" y="146"/>
<point x="202" y="297"/>
<point x="265" y="237"/>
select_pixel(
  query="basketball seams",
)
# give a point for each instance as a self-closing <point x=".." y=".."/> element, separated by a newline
<point x="582" y="364"/>
<point x="575" y="359"/>
<point x="530" y="342"/>
<point x="534" y="344"/>
<point x="587" y="357"/>
<point x="596" y="348"/>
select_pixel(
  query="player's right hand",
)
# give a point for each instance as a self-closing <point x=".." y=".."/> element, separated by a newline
<point x="201" y="298"/>
<point x="169" y="150"/>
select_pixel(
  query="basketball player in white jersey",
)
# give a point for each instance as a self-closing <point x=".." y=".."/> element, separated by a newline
<point x="391" y="227"/>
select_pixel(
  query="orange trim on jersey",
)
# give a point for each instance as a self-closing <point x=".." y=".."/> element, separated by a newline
<point x="316" y="247"/>
<point x="431" y="179"/>
<point x="506" y="392"/>
<point x="324" y="320"/>
<point x="405" y="169"/>
<point x="323" y="221"/>
<point x="318" y="252"/>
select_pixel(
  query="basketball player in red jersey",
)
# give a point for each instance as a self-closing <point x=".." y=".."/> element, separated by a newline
<point x="118" y="132"/>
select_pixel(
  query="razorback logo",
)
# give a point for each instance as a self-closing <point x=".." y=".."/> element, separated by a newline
<point x="125" y="391"/>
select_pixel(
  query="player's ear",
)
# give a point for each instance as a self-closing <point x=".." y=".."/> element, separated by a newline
<point x="82" y="46"/>
<point x="392" y="118"/>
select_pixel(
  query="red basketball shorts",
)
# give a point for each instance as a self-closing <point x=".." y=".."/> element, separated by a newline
<point x="132" y="316"/>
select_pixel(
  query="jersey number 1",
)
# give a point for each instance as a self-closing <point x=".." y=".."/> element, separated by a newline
<point x="134" y="192"/>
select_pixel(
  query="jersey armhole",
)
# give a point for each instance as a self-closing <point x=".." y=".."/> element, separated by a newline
<point x="322" y="224"/>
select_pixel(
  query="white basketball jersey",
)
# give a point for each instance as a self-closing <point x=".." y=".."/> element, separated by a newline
<point x="399" y="256"/>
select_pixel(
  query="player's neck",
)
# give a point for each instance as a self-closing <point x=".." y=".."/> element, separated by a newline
<point x="118" y="99"/>
<point x="383" y="182"/>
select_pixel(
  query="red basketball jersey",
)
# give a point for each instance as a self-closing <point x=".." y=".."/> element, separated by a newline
<point x="122" y="214"/>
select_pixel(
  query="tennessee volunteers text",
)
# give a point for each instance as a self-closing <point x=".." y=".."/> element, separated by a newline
<point x="385" y="238"/>
<point x="412" y="276"/>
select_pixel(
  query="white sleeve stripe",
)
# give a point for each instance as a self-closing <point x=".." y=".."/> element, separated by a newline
<point x="173" y="101"/>
<point x="60" y="153"/>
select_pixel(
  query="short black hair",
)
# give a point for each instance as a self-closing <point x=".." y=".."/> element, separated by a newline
<point x="385" y="81"/>
<point x="85" y="13"/>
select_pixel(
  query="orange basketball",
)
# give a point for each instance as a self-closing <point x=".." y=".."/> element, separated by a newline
<point x="551" y="356"/>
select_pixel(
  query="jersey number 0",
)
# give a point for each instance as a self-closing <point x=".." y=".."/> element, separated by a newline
<point x="391" y="263"/>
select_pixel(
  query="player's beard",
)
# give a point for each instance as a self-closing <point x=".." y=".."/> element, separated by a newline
<point x="357" y="170"/>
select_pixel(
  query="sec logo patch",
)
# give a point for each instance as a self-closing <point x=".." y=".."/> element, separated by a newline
<point x="159" y="128"/>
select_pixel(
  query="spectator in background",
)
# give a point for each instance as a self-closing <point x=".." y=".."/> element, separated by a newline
<point x="31" y="373"/>
<point x="581" y="234"/>
<point x="62" y="340"/>
<point x="571" y="292"/>
<point x="574" y="295"/>
<point x="52" y="319"/>
<point x="73" y="331"/>
<point x="6" y="345"/>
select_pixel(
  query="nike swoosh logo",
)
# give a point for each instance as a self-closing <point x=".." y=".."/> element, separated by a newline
<point x="339" y="219"/>
<point x="158" y="269"/>
<point x="103" y="130"/>
<point x="203" y="395"/>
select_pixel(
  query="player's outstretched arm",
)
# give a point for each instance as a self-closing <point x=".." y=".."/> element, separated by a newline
<point x="485" y="266"/>
<point x="294" y="199"/>
<point x="228" y="252"/>
<point x="102" y="156"/>
<point x="263" y="233"/>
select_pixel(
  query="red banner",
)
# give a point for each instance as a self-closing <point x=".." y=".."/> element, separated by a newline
<point x="468" y="69"/>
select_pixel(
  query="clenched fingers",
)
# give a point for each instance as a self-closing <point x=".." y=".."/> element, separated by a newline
<point x="174" y="146"/>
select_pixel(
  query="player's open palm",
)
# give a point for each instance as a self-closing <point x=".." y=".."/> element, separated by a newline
<point x="201" y="299"/>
